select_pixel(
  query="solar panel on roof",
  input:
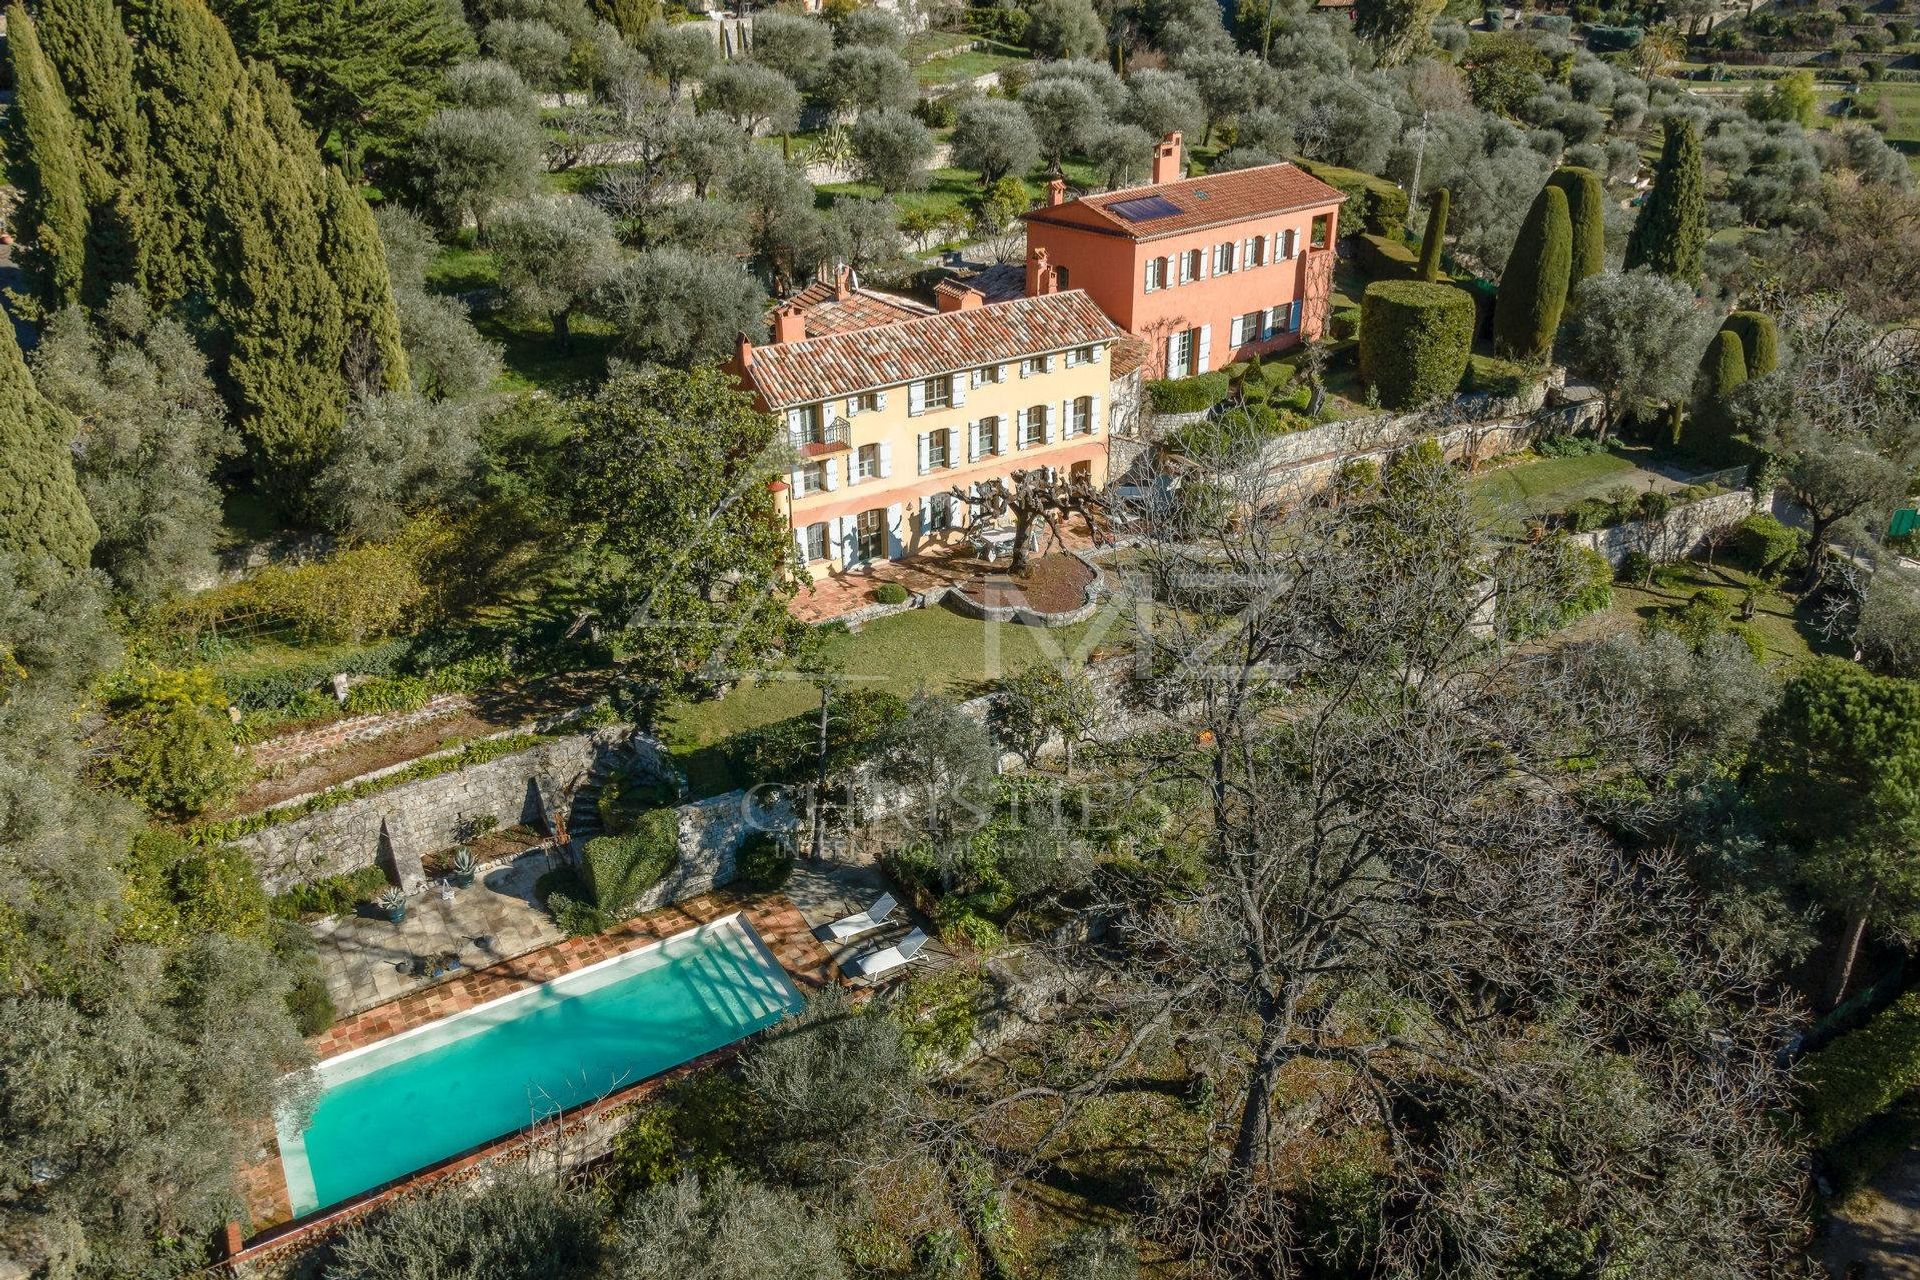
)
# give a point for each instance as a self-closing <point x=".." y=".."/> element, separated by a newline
<point x="1145" y="209"/>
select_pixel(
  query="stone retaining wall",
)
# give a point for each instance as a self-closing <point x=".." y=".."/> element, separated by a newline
<point x="398" y="827"/>
<point x="1680" y="534"/>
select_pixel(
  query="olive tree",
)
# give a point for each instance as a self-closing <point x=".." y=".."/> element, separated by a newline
<point x="674" y="307"/>
<point x="756" y="98"/>
<point x="1636" y="335"/>
<point x="891" y="150"/>
<point x="725" y="1228"/>
<point x="861" y="77"/>
<point x="397" y="455"/>
<point x="996" y="138"/>
<point x="471" y="159"/>
<point x="553" y="252"/>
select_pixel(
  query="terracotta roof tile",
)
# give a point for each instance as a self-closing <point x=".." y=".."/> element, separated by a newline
<point x="1213" y="199"/>
<point x="790" y="373"/>
<point x="860" y="309"/>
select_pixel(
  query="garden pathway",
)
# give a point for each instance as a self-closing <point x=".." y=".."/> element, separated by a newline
<point x="1881" y="1233"/>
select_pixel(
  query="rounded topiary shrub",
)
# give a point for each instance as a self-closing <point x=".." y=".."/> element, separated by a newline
<point x="1414" y="340"/>
<point x="890" y="593"/>
<point x="763" y="864"/>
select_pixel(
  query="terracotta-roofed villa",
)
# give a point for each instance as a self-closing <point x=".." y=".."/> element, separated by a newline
<point x="890" y="408"/>
<point x="1207" y="270"/>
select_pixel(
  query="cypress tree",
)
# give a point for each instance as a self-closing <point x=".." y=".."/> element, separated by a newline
<point x="44" y="160"/>
<point x="1722" y="370"/>
<point x="1533" y="290"/>
<point x="1759" y="341"/>
<point x="629" y="17"/>
<point x="1436" y="234"/>
<point x="1586" y="210"/>
<point x="189" y="79"/>
<point x="42" y="511"/>
<point x="90" y="52"/>
<point x="1670" y="235"/>
<point x="279" y="305"/>
<point x="350" y="243"/>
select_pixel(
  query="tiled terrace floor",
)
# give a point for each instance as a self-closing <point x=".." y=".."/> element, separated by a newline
<point x="366" y="959"/>
<point x="844" y="593"/>
<point x="780" y="924"/>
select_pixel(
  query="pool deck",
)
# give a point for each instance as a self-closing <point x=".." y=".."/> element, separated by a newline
<point x="775" y="917"/>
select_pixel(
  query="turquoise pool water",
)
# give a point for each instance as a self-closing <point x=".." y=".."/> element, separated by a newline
<point x="404" y="1103"/>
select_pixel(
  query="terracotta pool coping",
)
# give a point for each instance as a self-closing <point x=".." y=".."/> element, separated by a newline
<point x="773" y="916"/>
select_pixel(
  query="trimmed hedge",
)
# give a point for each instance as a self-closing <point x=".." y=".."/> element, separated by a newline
<point x="1587" y="216"/>
<point x="1381" y="206"/>
<point x="1759" y="340"/>
<point x="890" y="593"/>
<point x="763" y="863"/>
<point x="1533" y="289"/>
<point x="1863" y="1072"/>
<point x="1763" y="545"/>
<point x="1383" y="258"/>
<point x="1188" y="395"/>
<point x="1414" y="340"/>
<point x="619" y="868"/>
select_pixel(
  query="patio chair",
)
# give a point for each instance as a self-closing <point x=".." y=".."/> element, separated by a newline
<point x="862" y="921"/>
<point x="875" y="963"/>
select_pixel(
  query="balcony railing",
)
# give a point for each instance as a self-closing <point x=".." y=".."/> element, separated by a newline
<point x="831" y="438"/>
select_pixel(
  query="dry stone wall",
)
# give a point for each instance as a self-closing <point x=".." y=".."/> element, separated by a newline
<point x="1680" y="534"/>
<point x="398" y="827"/>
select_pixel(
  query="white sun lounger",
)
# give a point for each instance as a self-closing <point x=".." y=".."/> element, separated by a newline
<point x="887" y="959"/>
<point x="862" y="921"/>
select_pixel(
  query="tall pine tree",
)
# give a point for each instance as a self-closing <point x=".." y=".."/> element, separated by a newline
<point x="42" y="511"/>
<point x="94" y="60"/>
<point x="1533" y="289"/>
<point x="46" y="162"/>
<point x="1670" y="235"/>
<point x="1586" y="211"/>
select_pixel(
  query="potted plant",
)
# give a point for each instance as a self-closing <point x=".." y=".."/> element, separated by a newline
<point x="463" y="868"/>
<point x="394" y="903"/>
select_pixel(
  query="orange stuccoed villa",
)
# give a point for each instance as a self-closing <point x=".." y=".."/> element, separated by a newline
<point x="891" y="404"/>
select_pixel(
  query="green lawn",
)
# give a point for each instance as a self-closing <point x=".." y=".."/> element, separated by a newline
<point x="530" y="357"/>
<point x="932" y="649"/>
<point x="1787" y="635"/>
<point x="1553" y="484"/>
<point x="966" y="66"/>
<point x="1903" y="104"/>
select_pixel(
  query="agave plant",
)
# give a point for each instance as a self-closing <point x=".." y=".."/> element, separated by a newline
<point x="463" y="868"/>
<point x="394" y="903"/>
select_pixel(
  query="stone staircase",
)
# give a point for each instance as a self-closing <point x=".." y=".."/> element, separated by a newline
<point x="583" y="814"/>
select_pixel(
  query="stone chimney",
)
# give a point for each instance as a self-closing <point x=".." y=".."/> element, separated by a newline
<point x="1167" y="160"/>
<point x="790" y="323"/>
<point x="842" y="282"/>
<point x="953" y="296"/>
<point x="1057" y="192"/>
<point x="1042" y="279"/>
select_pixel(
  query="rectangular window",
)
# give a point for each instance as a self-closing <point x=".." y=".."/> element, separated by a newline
<point x="1036" y="426"/>
<point x="1182" y="362"/>
<point x="866" y="463"/>
<point x="1156" y="274"/>
<point x="1083" y="415"/>
<point x="1087" y="355"/>
<point x="1189" y="266"/>
<point x="939" y="512"/>
<point x="813" y="478"/>
<point x="1223" y="259"/>
<point x="989" y="435"/>
<point x="816" y="541"/>
<point x="1322" y="224"/>
<point x="870" y="534"/>
<point x="993" y="374"/>
<point x="1253" y="326"/>
<point x="937" y="448"/>
<point x="1257" y="252"/>
<point x="936" y="393"/>
<point x="1032" y="365"/>
<point x="866" y="402"/>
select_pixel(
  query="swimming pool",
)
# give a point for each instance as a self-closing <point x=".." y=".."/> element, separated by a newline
<point x="391" y="1108"/>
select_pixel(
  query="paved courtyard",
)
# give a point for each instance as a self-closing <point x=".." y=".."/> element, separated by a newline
<point x="369" y="960"/>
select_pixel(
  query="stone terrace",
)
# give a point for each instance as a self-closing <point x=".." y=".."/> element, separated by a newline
<point x="842" y="594"/>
